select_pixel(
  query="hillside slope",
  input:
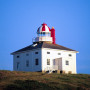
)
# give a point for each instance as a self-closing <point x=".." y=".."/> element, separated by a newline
<point x="12" y="80"/>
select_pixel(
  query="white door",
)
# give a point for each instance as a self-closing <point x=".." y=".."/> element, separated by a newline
<point x="57" y="63"/>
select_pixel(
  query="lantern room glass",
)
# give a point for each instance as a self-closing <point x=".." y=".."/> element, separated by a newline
<point x="44" y="34"/>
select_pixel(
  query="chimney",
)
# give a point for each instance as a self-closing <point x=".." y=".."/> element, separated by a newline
<point x="53" y="35"/>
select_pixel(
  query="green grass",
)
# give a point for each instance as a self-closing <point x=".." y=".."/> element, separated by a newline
<point x="14" y="80"/>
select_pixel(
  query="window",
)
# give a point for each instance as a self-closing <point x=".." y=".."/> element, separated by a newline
<point x="48" y="61"/>
<point x="36" y="62"/>
<point x="27" y="54"/>
<point x="54" y="62"/>
<point x="70" y="55"/>
<point x="36" y="52"/>
<point x="27" y="63"/>
<point x="17" y="56"/>
<point x="43" y="34"/>
<point x="59" y="53"/>
<point x="48" y="52"/>
<point x="67" y="62"/>
<point x="18" y="65"/>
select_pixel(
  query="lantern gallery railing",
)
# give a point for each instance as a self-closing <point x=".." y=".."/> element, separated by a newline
<point x="37" y="39"/>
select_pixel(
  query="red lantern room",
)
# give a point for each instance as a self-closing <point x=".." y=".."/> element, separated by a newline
<point x="44" y="34"/>
<point x="43" y="30"/>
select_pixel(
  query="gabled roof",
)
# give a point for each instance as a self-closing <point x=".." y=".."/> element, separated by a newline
<point x="43" y="45"/>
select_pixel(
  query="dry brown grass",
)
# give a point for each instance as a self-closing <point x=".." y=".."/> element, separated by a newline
<point x="14" y="80"/>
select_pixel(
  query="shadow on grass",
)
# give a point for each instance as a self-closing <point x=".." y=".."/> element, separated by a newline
<point x="29" y="85"/>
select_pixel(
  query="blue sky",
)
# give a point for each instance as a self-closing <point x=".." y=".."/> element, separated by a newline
<point x="19" y="20"/>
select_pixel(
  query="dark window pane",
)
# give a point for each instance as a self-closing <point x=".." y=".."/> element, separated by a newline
<point x="70" y="55"/>
<point x="48" y="52"/>
<point x="36" y="52"/>
<point x="17" y="56"/>
<point x="27" y="63"/>
<point x="36" y="61"/>
<point x="48" y="61"/>
<point x="18" y="65"/>
<point x="67" y="62"/>
<point x="59" y="53"/>
<point x="27" y="54"/>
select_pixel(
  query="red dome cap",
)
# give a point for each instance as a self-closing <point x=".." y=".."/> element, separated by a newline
<point x="43" y="28"/>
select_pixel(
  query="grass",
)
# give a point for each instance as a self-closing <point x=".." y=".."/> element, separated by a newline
<point x="14" y="80"/>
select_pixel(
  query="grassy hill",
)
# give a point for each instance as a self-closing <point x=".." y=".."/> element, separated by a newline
<point x="13" y="80"/>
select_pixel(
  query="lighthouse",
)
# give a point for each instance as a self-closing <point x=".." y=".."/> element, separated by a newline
<point x="44" y="55"/>
<point x="45" y="34"/>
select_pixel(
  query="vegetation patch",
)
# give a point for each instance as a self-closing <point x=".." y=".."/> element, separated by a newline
<point x="14" y="80"/>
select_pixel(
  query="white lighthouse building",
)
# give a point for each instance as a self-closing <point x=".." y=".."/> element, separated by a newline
<point x="45" y="55"/>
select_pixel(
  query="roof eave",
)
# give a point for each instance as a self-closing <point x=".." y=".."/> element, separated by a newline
<point x="65" y="50"/>
<point x="13" y="53"/>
